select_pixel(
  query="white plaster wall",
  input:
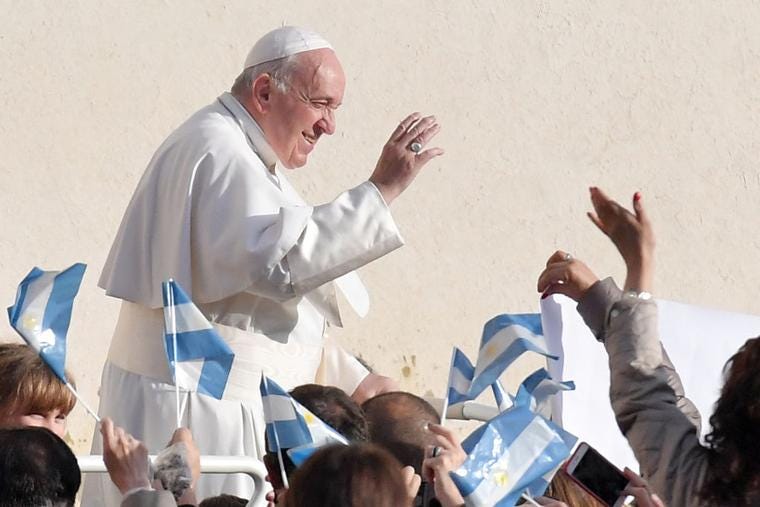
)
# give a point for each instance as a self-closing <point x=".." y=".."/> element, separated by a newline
<point x="538" y="99"/>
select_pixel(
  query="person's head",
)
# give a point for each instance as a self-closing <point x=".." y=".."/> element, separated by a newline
<point x="37" y="469"/>
<point x="291" y="85"/>
<point x="348" y="476"/>
<point x="224" y="501"/>
<point x="30" y="393"/>
<point x="398" y="422"/>
<point x="334" y="407"/>
<point x="733" y="476"/>
<point x="566" y="490"/>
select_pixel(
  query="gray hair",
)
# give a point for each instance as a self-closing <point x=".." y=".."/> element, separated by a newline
<point x="280" y="70"/>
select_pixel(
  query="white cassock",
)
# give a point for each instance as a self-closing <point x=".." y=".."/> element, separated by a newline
<point x="212" y="212"/>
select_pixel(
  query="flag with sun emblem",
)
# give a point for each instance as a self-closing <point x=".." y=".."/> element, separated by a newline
<point x="505" y="338"/>
<point x="290" y="425"/>
<point x="42" y="312"/>
<point x="512" y="453"/>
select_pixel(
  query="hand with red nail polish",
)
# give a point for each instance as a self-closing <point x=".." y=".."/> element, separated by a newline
<point x="631" y="233"/>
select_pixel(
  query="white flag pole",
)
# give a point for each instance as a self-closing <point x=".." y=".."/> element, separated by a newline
<point x="530" y="500"/>
<point x="83" y="403"/>
<point x="173" y="325"/>
<point x="448" y="384"/>
<point x="281" y="462"/>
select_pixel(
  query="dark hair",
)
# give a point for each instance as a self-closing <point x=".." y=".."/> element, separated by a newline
<point x="397" y="422"/>
<point x="224" y="501"/>
<point x="334" y="407"/>
<point x="356" y="475"/>
<point x="733" y="474"/>
<point x="36" y="469"/>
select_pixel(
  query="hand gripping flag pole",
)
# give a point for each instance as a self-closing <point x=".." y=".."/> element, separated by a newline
<point x="41" y="315"/>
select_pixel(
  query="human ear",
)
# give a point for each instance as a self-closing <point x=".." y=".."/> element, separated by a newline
<point x="261" y="90"/>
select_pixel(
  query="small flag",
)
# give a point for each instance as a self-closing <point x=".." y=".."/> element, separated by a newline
<point x="42" y="312"/>
<point x="505" y="338"/>
<point x="508" y="455"/>
<point x="203" y="359"/>
<point x="460" y="377"/>
<point x="290" y="425"/>
<point x="536" y="390"/>
<point x="502" y="397"/>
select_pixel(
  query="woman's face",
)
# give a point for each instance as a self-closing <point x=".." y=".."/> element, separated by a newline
<point x="54" y="420"/>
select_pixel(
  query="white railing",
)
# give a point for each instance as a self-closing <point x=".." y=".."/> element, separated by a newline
<point x="468" y="411"/>
<point x="209" y="465"/>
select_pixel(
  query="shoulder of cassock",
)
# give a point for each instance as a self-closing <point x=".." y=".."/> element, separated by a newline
<point x="205" y="193"/>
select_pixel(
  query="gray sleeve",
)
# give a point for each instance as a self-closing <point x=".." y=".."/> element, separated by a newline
<point x="649" y="405"/>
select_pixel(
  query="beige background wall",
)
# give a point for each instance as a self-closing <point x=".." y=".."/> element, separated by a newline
<point x="538" y="99"/>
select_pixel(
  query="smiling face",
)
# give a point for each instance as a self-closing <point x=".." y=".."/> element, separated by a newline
<point x="294" y="120"/>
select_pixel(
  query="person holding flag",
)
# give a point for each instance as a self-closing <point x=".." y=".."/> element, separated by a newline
<point x="35" y="378"/>
<point x="30" y="393"/>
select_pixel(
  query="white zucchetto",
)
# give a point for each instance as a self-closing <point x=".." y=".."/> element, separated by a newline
<point x="282" y="42"/>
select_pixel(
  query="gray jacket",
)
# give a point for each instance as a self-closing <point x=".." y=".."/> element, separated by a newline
<point x="659" y="422"/>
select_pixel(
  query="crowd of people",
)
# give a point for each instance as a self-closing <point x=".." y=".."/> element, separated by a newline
<point x="215" y="212"/>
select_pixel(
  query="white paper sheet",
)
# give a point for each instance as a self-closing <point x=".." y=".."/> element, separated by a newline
<point x="698" y="340"/>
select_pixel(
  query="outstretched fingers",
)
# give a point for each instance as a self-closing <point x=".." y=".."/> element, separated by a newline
<point x="404" y="126"/>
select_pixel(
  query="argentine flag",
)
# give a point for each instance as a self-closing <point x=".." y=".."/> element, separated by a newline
<point x="505" y="338"/>
<point x="460" y="378"/>
<point x="512" y="453"/>
<point x="537" y="388"/>
<point x="203" y="360"/>
<point x="42" y="312"/>
<point x="290" y="425"/>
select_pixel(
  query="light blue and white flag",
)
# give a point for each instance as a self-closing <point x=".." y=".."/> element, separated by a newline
<point x="505" y="338"/>
<point x="290" y="425"/>
<point x="42" y="312"/>
<point x="460" y="377"/>
<point x="509" y="455"/>
<point x="503" y="398"/>
<point x="536" y="390"/>
<point x="203" y="360"/>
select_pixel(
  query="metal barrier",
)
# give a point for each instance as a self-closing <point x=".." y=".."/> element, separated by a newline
<point x="209" y="465"/>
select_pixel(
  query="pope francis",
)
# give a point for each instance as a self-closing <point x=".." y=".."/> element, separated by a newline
<point x="215" y="212"/>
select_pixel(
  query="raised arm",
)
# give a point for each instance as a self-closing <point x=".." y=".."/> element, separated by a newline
<point x="645" y="391"/>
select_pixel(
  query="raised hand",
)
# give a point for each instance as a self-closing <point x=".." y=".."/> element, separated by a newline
<point x="126" y="458"/>
<point x="399" y="164"/>
<point x="631" y="233"/>
<point x="565" y="275"/>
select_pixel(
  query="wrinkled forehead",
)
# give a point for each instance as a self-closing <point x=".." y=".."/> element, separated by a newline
<point x="319" y="72"/>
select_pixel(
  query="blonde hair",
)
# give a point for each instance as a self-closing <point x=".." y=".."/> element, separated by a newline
<point x="564" y="489"/>
<point x="29" y="385"/>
